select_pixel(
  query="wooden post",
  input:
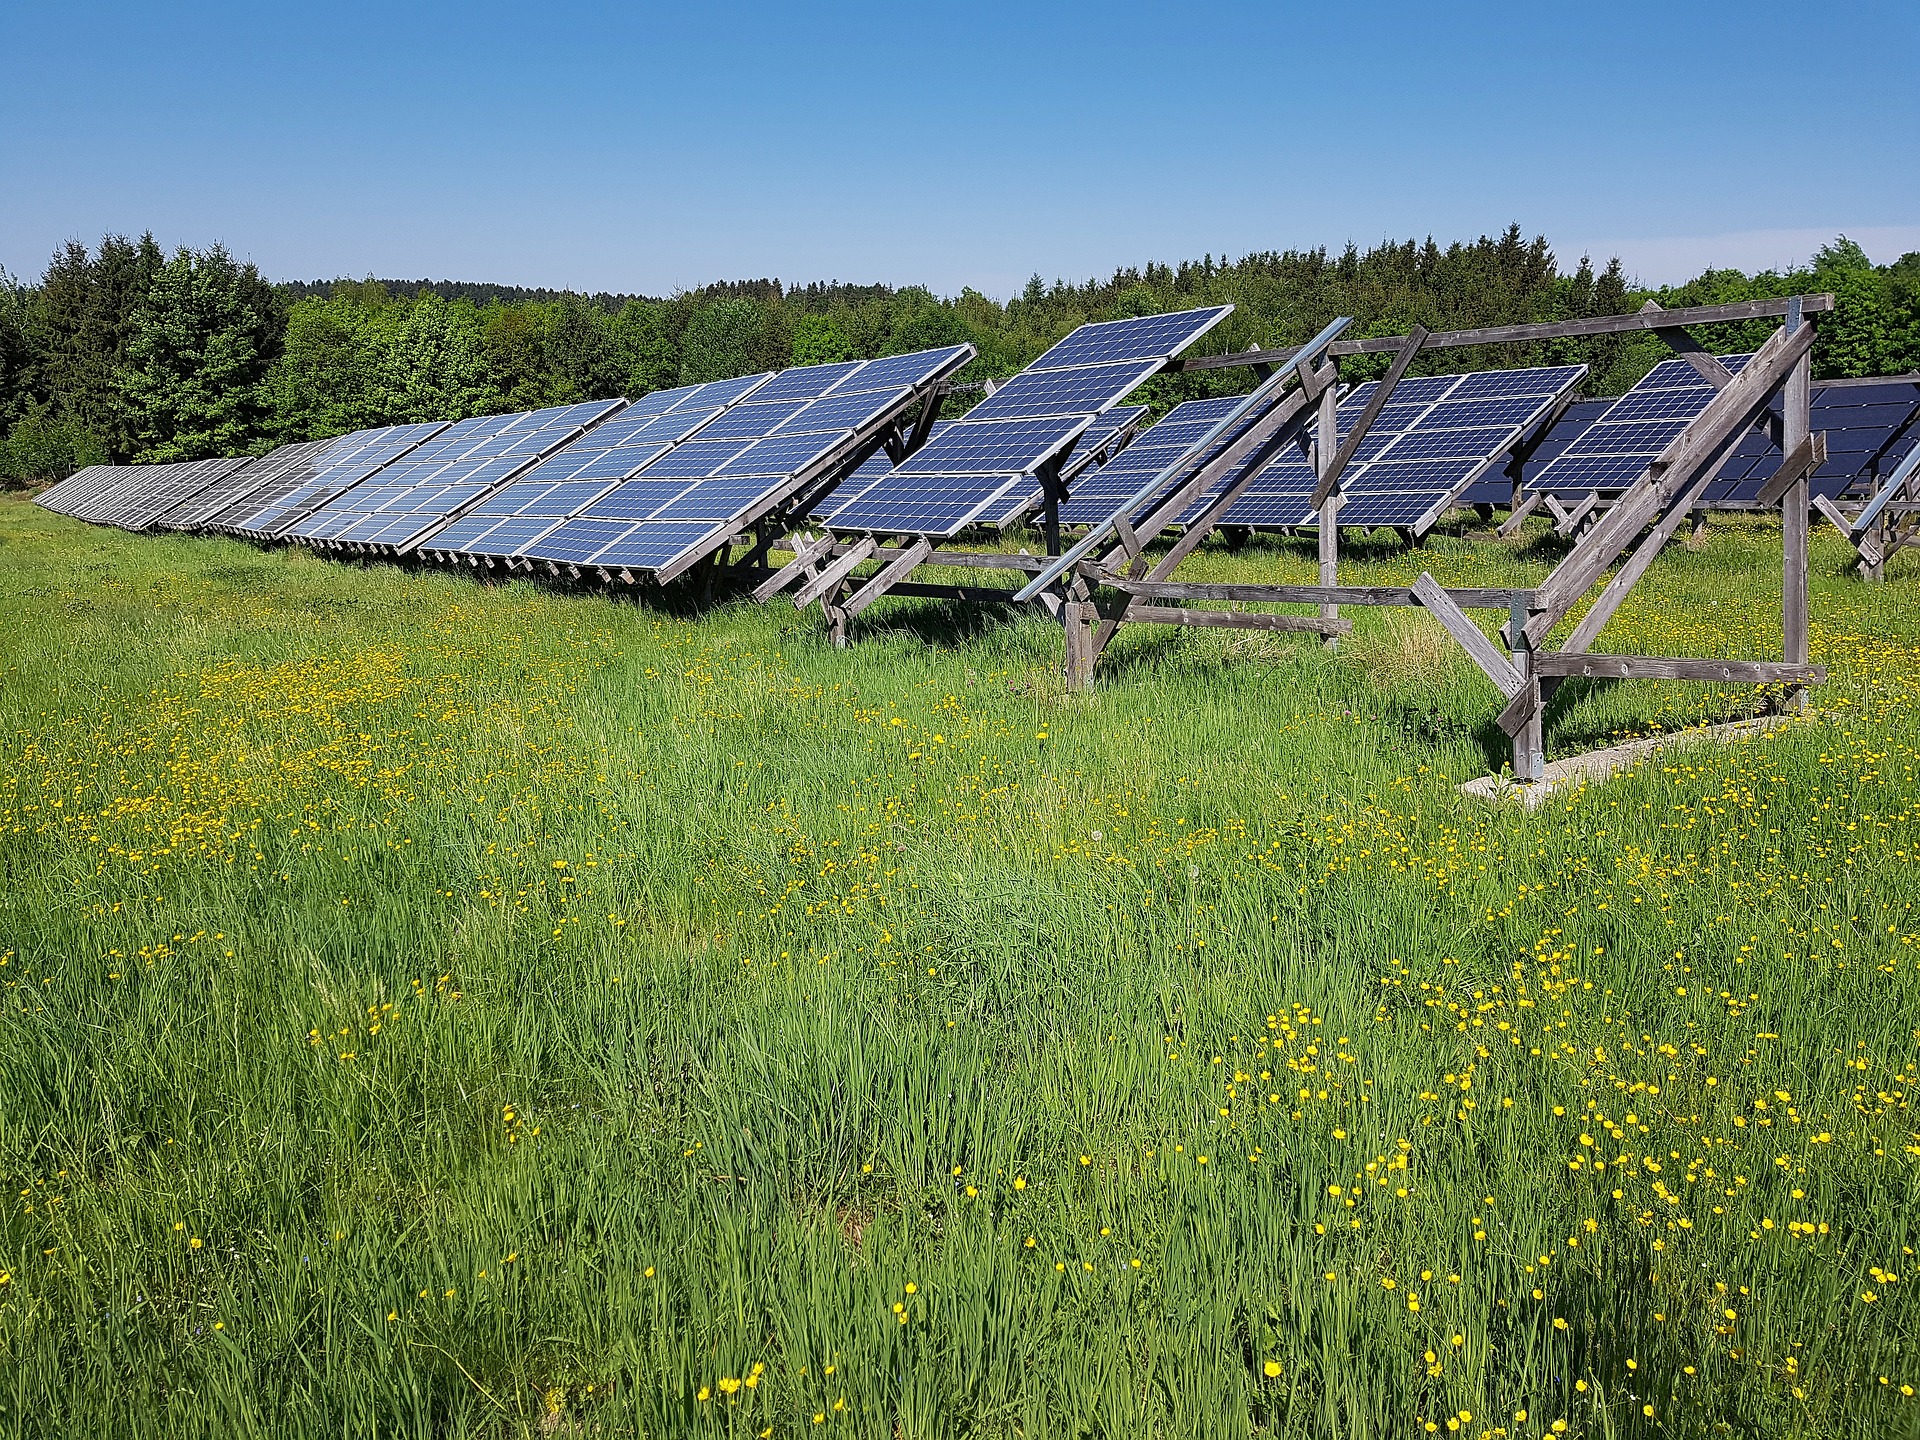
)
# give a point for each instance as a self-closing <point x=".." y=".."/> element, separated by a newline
<point x="1529" y="741"/>
<point x="1794" y="506"/>
<point x="1076" y="617"/>
<point x="1326" y="442"/>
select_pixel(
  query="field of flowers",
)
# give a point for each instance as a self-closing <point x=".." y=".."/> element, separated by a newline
<point x="432" y="1009"/>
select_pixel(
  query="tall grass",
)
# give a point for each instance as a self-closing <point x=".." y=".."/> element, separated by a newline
<point x="441" y="1010"/>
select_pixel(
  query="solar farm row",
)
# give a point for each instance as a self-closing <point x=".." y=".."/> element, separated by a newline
<point x="654" y="485"/>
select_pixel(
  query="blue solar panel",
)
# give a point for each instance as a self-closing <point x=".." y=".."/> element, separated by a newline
<point x="654" y="544"/>
<point x="1870" y="428"/>
<point x="1615" y="450"/>
<point x="695" y="457"/>
<point x="893" y="371"/>
<point x="576" y="541"/>
<point x="1146" y="337"/>
<point x="781" y="454"/>
<point x="1095" y="494"/>
<point x="993" y="447"/>
<point x="979" y="469"/>
<point x="346" y="463"/>
<point x="422" y="491"/>
<point x="1438" y="435"/>
<point x="1086" y="390"/>
<point x="844" y="411"/>
<point x="736" y="447"/>
<point x="636" y="499"/>
<point x="751" y="420"/>
<point x="939" y="505"/>
<point x="805" y="382"/>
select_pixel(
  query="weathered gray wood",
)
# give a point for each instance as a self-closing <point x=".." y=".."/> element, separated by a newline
<point x="1808" y="456"/>
<point x="1522" y="334"/>
<point x="1467" y="598"/>
<point x="1727" y="415"/>
<point x="1327" y="495"/>
<point x="1472" y="639"/>
<point x="889" y="575"/>
<point x="1331" y="472"/>
<point x="1234" y="619"/>
<point x="1796" y="397"/>
<point x="1629" y="574"/>
<point x="1834" y="514"/>
<point x="973" y="594"/>
<point x="968" y="559"/>
<point x="1669" y="667"/>
<point x="1511" y="525"/>
<point x="830" y="575"/>
<point x="1691" y="350"/>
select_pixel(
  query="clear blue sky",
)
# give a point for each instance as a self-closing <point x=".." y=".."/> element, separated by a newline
<point x="647" y="148"/>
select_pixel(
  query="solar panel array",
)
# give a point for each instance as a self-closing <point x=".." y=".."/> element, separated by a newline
<point x="68" y="495"/>
<point x="1870" y="429"/>
<point x="136" y="493"/>
<point x="1616" y="449"/>
<point x="1096" y="494"/>
<point x="421" y="490"/>
<point x="278" y="506"/>
<point x="974" y="470"/>
<point x="699" y="464"/>
<point x="1433" y="439"/>
<point x="232" y="488"/>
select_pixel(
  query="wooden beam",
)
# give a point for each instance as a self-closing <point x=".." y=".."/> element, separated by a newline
<point x="1808" y="456"/>
<point x="804" y="556"/>
<point x="1629" y="574"/>
<point x="890" y="574"/>
<point x="1234" y="619"/>
<point x="1471" y="599"/>
<point x="1472" y="639"/>
<point x="1330" y="474"/>
<point x="973" y="594"/>
<point x="1665" y="667"/>
<point x="1523" y="334"/>
<point x="832" y="574"/>
<point x="1691" y="350"/>
<point x="1511" y="525"/>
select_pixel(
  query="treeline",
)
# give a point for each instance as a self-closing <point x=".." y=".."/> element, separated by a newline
<point x="125" y="353"/>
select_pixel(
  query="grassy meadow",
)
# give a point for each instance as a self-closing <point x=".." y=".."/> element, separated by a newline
<point x="433" y="1009"/>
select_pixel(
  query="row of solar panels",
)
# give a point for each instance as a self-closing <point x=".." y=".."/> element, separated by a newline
<point x="656" y="484"/>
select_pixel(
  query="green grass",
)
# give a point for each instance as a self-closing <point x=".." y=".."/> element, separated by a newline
<point x="443" y="1010"/>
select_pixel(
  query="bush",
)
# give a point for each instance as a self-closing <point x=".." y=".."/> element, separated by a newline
<point x="42" y="448"/>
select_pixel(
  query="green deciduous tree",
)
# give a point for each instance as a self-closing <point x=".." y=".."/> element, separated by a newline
<point x="722" y="339"/>
<point x="433" y="368"/>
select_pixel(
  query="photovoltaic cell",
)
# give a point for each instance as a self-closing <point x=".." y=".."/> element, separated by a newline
<point x="1085" y="390"/>
<point x="250" y="479"/>
<point x="1870" y="428"/>
<point x="1097" y="493"/>
<point x="419" y="493"/>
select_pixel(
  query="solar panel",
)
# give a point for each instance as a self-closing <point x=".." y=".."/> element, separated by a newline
<point x="278" y="506"/>
<point x="235" y="486"/>
<point x="754" y="445"/>
<point x="66" y="495"/>
<point x="1096" y="493"/>
<point x="149" y="489"/>
<point x="181" y="484"/>
<point x="980" y="469"/>
<point x="1435" y="438"/>
<point x="120" y="485"/>
<point x="1098" y="443"/>
<point x="1614" y="451"/>
<point x="439" y="481"/>
<point x="1870" y="428"/>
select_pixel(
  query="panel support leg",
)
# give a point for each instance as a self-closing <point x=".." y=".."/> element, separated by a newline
<point x="1529" y="741"/>
<point x="1795" y="505"/>
<point x="1330" y="559"/>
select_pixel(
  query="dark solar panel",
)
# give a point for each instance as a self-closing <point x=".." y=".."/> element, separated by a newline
<point x="1614" y="451"/>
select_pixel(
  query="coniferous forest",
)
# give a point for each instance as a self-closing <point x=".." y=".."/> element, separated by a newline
<point x="127" y="353"/>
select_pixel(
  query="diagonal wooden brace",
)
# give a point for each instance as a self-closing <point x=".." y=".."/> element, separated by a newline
<point x="1473" y="640"/>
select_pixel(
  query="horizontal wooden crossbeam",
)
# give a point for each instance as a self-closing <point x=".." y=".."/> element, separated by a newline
<point x="1667" y="667"/>
<point x="1137" y="613"/>
<point x="1471" y="599"/>
<point x="1521" y="334"/>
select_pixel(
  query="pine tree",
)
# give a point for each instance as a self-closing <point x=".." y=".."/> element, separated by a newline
<point x="203" y="341"/>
